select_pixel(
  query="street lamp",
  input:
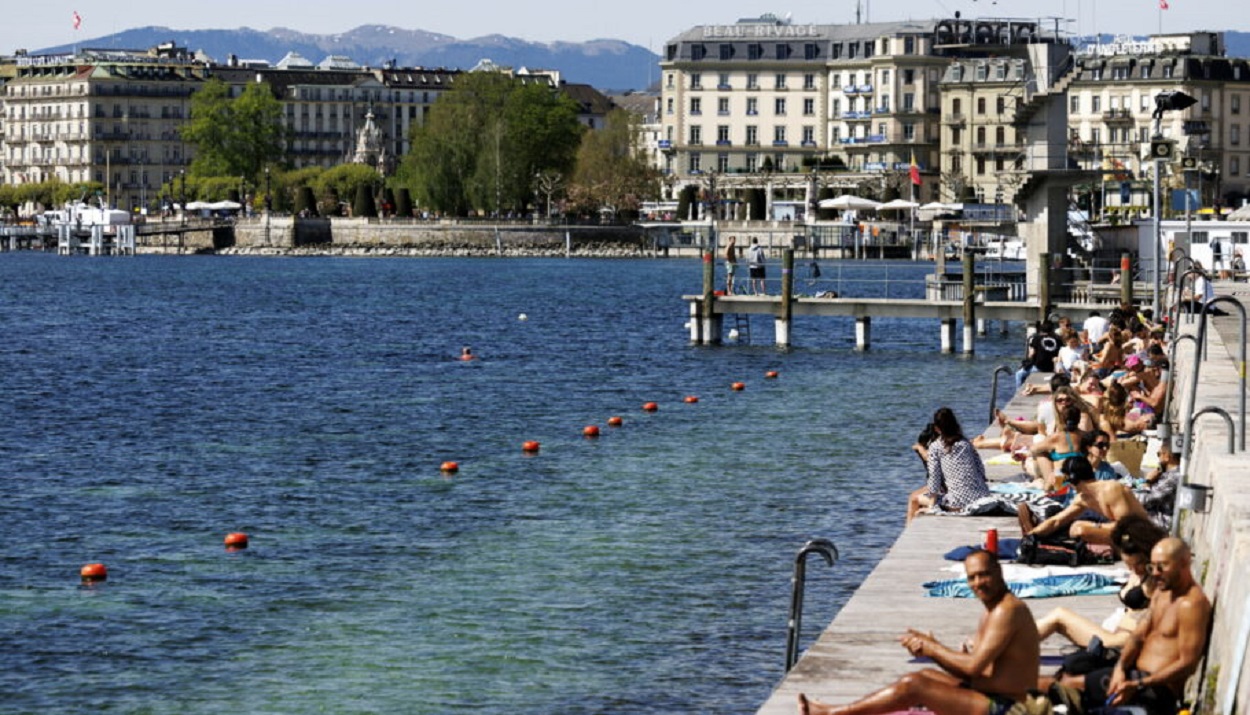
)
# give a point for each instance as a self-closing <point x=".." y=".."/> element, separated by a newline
<point x="182" y="179"/>
<point x="1162" y="150"/>
<point x="268" y="197"/>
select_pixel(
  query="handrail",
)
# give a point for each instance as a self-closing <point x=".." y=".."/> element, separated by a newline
<point x="994" y="390"/>
<point x="829" y="552"/>
<point x="1180" y="292"/>
<point x="1228" y="420"/>
<point x="1165" y="427"/>
<point x="1193" y="388"/>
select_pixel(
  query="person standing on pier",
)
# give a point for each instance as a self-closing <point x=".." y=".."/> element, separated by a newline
<point x="731" y="264"/>
<point x="1043" y="349"/>
<point x="756" y="267"/>
<point x="992" y="677"/>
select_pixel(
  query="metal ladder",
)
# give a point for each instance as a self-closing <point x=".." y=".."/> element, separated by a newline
<point x="742" y="323"/>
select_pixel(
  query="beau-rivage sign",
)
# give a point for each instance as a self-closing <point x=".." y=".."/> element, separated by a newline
<point x="768" y="31"/>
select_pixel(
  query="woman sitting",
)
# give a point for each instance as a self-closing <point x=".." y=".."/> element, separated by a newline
<point x="1133" y="538"/>
<point x="956" y="472"/>
<point x="1061" y="445"/>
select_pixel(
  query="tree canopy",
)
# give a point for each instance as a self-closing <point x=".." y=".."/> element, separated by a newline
<point x="483" y="143"/>
<point x="236" y="136"/>
<point x="612" y="172"/>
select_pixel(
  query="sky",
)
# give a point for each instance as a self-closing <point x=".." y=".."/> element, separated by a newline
<point x="648" y="23"/>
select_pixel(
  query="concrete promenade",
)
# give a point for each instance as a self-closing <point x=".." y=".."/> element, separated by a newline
<point x="858" y="652"/>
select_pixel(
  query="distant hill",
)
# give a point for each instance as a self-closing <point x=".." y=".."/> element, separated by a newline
<point x="609" y="65"/>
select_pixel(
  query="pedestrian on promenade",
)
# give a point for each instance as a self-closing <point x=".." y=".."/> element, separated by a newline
<point x="755" y="266"/>
<point x="994" y="676"/>
<point x="1043" y="349"/>
<point x="731" y="264"/>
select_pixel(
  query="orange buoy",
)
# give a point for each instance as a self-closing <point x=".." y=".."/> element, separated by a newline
<point x="591" y="431"/>
<point x="449" y="467"/>
<point x="94" y="572"/>
<point x="615" y="421"/>
<point x="236" y="540"/>
<point x="771" y="375"/>
<point x="530" y="447"/>
<point x="739" y="386"/>
<point x="691" y="399"/>
<point x="650" y="407"/>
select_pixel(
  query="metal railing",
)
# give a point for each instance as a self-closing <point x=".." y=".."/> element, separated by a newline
<point x="798" y="582"/>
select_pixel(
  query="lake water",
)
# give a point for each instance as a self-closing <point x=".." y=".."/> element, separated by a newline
<point x="152" y="405"/>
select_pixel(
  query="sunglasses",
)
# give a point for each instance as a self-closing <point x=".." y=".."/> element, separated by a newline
<point x="1102" y="445"/>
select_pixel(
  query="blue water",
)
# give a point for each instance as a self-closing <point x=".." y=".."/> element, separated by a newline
<point x="152" y="405"/>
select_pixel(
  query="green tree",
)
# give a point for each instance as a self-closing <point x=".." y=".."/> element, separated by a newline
<point x="611" y="170"/>
<point x="484" y="142"/>
<point x="237" y="136"/>
<point x="346" y="179"/>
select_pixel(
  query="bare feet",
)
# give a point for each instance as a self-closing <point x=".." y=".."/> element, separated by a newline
<point x="1026" y="518"/>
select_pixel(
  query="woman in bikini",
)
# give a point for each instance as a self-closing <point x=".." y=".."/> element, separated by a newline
<point x="1059" y="446"/>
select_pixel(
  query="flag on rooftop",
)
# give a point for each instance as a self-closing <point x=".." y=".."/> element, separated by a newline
<point x="77" y="20"/>
<point x="914" y="170"/>
<point x="1163" y="4"/>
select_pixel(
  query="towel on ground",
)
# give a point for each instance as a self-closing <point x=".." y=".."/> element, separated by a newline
<point x="1000" y="504"/>
<point x="1019" y="572"/>
<point x="1082" y="584"/>
<point x="1007" y="549"/>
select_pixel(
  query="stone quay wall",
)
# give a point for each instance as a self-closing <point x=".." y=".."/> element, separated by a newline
<point x="374" y="237"/>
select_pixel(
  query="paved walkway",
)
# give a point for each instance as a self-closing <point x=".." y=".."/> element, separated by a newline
<point x="859" y="653"/>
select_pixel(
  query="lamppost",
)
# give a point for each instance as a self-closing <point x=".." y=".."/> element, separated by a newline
<point x="1162" y="150"/>
<point x="268" y="205"/>
<point x="182" y="179"/>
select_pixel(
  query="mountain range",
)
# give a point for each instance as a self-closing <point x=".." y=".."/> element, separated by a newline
<point x="609" y="65"/>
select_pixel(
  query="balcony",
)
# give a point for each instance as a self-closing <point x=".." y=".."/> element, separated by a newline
<point x="1117" y="116"/>
<point x="857" y="116"/>
<point x="809" y="143"/>
<point x="665" y="145"/>
<point x="724" y="142"/>
<point x="781" y="143"/>
<point x="865" y="89"/>
<point x="724" y="87"/>
<point x="850" y="89"/>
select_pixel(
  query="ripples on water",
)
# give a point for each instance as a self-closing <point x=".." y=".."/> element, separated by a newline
<point x="155" y="404"/>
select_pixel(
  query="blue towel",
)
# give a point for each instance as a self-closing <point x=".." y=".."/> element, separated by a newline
<point x="1014" y="488"/>
<point x="1080" y="584"/>
<point x="1007" y="549"/>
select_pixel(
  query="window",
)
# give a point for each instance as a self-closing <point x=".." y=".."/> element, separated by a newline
<point x="909" y="45"/>
<point x="1095" y="136"/>
<point x="726" y="51"/>
<point x="1234" y="104"/>
<point x="957" y="163"/>
<point x="835" y="81"/>
<point x="779" y="81"/>
<point x="811" y="51"/>
<point x="779" y="135"/>
<point x="698" y="52"/>
<point x="755" y="51"/>
<point x="722" y="106"/>
<point x="957" y="135"/>
<point x="957" y="106"/>
<point x="1000" y="72"/>
<point x="809" y="136"/>
<point x="1000" y="105"/>
<point x="835" y="108"/>
<point x="909" y="76"/>
<point x="1234" y="166"/>
<point x="1234" y="134"/>
<point x="723" y="81"/>
<point x="1145" y="103"/>
<point x="852" y="50"/>
<point x="1167" y="72"/>
<point x="980" y="105"/>
<point x="668" y="105"/>
<point x="885" y="77"/>
<point x="753" y="136"/>
<point x="980" y="136"/>
<point x="1000" y="136"/>
<point x="696" y="135"/>
<point x="783" y="52"/>
<point x="909" y="132"/>
<point x="722" y="134"/>
<point x="809" y="107"/>
<point x="752" y="106"/>
<point x="722" y="163"/>
<point x="696" y="105"/>
<point x="909" y="102"/>
<point x="753" y="81"/>
<point x="980" y="166"/>
<point x="696" y="80"/>
<point x="670" y="80"/>
<point x="1206" y="101"/>
<point x="779" y="106"/>
<point x="696" y="163"/>
<point x="982" y="73"/>
<point x="753" y="162"/>
<point x="835" y="52"/>
<point x="1095" y="104"/>
<point x="809" y="81"/>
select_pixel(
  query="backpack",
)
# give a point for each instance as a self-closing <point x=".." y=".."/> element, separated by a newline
<point x="1040" y="551"/>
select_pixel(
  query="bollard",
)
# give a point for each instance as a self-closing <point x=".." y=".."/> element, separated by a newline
<point x="1126" y="279"/>
<point x="970" y="296"/>
<point x="787" y="297"/>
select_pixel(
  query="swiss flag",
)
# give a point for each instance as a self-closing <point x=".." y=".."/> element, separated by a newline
<point x="1163" y="4"/>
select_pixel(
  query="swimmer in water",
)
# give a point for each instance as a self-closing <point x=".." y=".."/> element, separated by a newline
<point x="466" y="354"/>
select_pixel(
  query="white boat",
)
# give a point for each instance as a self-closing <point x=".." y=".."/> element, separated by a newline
<point x="998" y="249"/>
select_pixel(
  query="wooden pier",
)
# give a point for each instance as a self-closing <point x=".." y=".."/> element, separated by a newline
<point x="859" y="652"/>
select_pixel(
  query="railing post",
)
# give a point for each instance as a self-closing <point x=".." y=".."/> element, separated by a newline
<point x="970" y="297"/>
<point x="826" y="549"/>
<point x="1126" y="280"/>
<point x="787" y="296"/>
<point x="1043" y="285"/>
<point x="711" y="336"/>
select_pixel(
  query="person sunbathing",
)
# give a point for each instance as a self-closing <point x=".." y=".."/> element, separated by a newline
<point x="955" y="470"/>
<point x="1132" y="538"/>
<point x="1112" y="500"/>
<point x="1050" y="453"/>
<point x="994" y="676"/>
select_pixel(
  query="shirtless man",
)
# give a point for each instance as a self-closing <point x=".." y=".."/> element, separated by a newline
<point x="1111" y="499"/>
<point x="1165" y="648"/>
<point x="994" y="677"/>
